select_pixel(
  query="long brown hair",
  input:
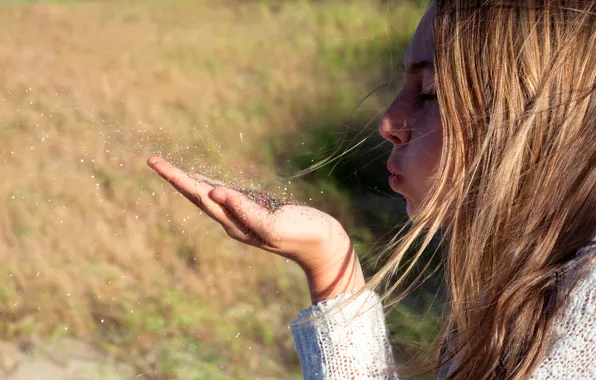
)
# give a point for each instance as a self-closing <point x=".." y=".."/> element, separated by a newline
<point x="516" y="187"/>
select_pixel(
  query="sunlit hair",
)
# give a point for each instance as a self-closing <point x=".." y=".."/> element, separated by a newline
<point x="516" y="188"/>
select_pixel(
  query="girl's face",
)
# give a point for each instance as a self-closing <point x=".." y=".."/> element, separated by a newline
<point x="412" y="122"/>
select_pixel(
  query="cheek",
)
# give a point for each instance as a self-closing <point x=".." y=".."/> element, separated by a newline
<point x="433" y="143"/>
<point x="427" y="141"/>
<point x="425" y="150"/>
<point x="434" y="132"/>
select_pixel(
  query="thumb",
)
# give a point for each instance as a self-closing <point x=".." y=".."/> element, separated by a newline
<point x="251" y="214"/>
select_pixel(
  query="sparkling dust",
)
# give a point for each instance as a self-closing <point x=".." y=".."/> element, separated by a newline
<point x="265" y="200"/>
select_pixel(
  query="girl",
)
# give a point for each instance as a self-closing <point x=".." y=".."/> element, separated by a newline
<point x="494" y="135"/>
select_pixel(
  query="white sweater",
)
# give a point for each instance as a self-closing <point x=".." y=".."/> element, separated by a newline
<point x="339" y="348"/>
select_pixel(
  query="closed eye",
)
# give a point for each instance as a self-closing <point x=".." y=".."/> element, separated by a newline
<point x="428" y="97"/>
<point x="424" y="98"/>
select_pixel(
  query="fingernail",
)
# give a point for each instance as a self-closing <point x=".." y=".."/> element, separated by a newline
<point x="218" y="195"/>
<point x="152" y="161"/>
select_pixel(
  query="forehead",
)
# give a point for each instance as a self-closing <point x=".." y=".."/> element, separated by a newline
<point x="422" y="45"/>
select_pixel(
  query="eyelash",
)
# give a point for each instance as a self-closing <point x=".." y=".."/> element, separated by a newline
<point x="428" y="97"/>
<point x="421" y="99"/>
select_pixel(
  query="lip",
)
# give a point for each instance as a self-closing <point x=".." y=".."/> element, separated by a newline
<point x="395" y="180"/>
<point x="393" y="170"/>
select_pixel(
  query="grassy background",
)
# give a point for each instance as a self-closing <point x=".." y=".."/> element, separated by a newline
<point x="94" y="245"/>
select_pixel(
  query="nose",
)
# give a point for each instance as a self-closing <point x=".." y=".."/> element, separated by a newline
<point x="395" y="126"/>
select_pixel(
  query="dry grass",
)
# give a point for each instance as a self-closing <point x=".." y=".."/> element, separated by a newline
<point x="92" y="243"/>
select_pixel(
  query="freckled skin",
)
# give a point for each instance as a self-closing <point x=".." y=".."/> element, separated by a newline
<point x="412" y="122"/>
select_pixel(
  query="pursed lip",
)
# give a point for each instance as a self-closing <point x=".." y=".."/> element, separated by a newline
<point x="393" y="170"/>
<point x="396" y="178"/>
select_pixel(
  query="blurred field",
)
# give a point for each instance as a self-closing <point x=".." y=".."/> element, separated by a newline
<point x="94" y="245"/>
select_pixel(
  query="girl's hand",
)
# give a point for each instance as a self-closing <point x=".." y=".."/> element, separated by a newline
<point x="314" y="240"/>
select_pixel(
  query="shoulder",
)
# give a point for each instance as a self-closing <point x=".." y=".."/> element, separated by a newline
<point x="573" y="343"/>
<point x="580" y="289"/>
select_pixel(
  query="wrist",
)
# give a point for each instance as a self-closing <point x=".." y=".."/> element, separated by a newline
<point x="344" y="277"/>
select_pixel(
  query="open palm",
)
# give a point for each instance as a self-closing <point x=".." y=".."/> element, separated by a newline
<point x="313" y="239"/>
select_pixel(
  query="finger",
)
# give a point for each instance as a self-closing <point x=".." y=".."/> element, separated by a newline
<point x="165" y="169"/>
<point x="193" y="190"/>
<point x="181" y="180"/>
<point x="249" y="213"/>
<point x="197" y="192"/>
<point x="233" y="227"/>
<point x="210" y="181"/>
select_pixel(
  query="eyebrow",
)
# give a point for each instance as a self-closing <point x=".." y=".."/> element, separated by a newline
<point x="417" y="66"/>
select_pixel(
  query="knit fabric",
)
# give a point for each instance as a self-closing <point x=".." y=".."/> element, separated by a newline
<point x="346" y="345"/>
<point x="572" y="352"/>
<point x="339" y="346"/>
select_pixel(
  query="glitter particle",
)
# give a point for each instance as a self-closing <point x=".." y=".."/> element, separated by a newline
<point x="263" y="199"/>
